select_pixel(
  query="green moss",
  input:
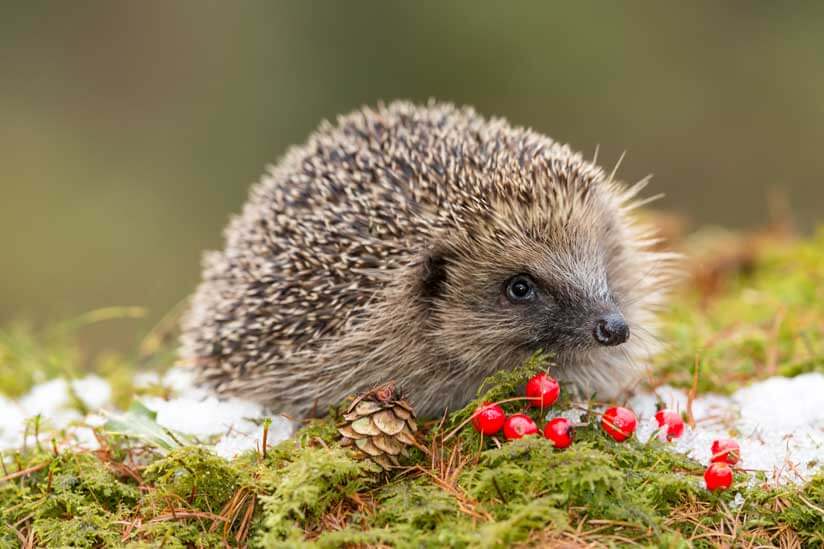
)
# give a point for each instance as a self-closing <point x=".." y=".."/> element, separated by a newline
<point x="27" y="358"/>
<point x="497" y="497"/>
<point x="73" y="501"/>
<point x="630" y="483"/>
<point x="805" y="512"/>
<point x="193" y="476"/>
<point x="418" y="504"/>
<point x="302" y="484"/>
<point x="765" y="322"/>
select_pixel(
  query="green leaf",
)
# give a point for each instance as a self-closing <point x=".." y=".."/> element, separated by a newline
<point x="141" y="423"/>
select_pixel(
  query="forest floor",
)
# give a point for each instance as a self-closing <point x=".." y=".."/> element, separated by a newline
<point x="125" y="452"/>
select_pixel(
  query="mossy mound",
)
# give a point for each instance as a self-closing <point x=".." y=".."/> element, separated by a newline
<point x="757" y="313"/>
<point x="308" y="491"/>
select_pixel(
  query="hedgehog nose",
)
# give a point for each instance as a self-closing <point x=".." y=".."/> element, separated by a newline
<point x="611" y="329"/>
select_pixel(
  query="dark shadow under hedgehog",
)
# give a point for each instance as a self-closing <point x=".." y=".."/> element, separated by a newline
<point x="429" y="246"/>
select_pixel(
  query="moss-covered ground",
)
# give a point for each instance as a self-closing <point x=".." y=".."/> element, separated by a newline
<point x="749" y="308"/>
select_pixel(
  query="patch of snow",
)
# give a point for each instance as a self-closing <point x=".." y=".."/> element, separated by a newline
<point x="236" y="423"/>
<point x="142" y="380"/>
<point x="573" y="415"/>
<point x="52" y="401"/>
<point x="46" y="398"/>
<point x="203" y="416"/>
<point x="181" y="380"/>
<point x="12" y="423"/>
<point x="199" y="413"/>
<point x="94" y="391"/>
<point x="778" y="422"/>
<point x="239" y="441"/>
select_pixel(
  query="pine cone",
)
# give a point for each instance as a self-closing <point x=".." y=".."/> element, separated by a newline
<point x="381" y="425"/>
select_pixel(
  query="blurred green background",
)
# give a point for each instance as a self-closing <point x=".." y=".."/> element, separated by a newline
<point x="131" y="130"/>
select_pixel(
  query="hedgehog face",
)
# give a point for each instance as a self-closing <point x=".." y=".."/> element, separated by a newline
<point x="503" y="294"/>
<point x="562" y="315"/>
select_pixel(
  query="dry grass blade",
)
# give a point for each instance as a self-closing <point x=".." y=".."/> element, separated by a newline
<point x="130" y="527"/>
<point x="231" y="509"/>
<point x="445" y="471"/>
<point x="179" y="514"/>
<point x="18" y="533"/>
<point x="246" y="522"/>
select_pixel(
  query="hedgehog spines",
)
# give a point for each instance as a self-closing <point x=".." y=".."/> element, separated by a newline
<point x="326" y="282"/>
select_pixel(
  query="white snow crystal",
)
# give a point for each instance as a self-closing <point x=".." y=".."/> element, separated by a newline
<point x="94" y="391"/>
<point x="239" y="441"/>
<point x="12" y="423"/>
<point x="181" y="380"/>
<point x="779" y="422"/>
<point x="197" y="412"/>
<point x="51" y="400"/>
<point x="202" y="416"/>
<point x="145" y="379"/>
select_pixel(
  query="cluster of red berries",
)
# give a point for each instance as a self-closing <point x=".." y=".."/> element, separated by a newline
<point x="618" y="422"/>
<point x="718" y="476"/>
<point x="542" y="391"/>
<point x="725" y="452"/>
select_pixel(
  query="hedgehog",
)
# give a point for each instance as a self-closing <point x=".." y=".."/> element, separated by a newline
<point x="429" y="246"/>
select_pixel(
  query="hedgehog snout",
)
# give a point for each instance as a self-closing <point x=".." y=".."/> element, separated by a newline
<point x="611" y="329"/>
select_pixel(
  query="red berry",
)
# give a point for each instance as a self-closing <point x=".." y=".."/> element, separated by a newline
<point x="519" y="425"/>
<point x="725" y="450"/>
<point x="559" y="431"/>
<point x="718" y="476"/>
<point x="619" y="423"/>
<point x="542" y="391"/>
<point x="670" y="423"/>
<point x="488" y="419"/>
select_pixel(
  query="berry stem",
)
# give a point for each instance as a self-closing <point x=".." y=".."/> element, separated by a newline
<point x="464" y="423"/>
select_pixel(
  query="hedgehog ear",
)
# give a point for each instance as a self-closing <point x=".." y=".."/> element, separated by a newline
<point x="433" y="272"/>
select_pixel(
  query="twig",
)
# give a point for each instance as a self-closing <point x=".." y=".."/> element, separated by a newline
<point x="127" y="532"/>
<point x="266" y="423"/>
<point x="246" y="522"/>
<point x="811" y="505"/>
<point x="693" y="392"/>
<point x="20" y="536"/>
<point x="25" y="472"/>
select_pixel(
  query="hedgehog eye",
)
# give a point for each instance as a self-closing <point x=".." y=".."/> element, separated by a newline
<point x="520" y="289"/>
